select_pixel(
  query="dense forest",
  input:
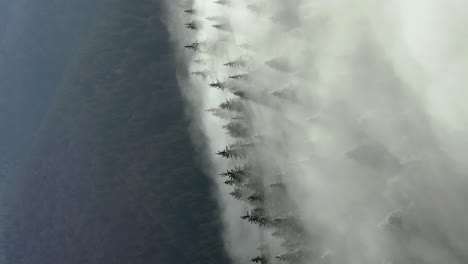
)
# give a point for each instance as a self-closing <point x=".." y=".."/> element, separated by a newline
<point x="111" y="177"/>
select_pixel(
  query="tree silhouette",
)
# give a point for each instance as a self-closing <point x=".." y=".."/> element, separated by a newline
<point x="256" y="197"/>
<point x="221" y="113"/>
<point x="218" y="84"/>
<point x="190" y="11"/>
<point x="244" y="77"/>
<point x="260" y="259"/>
<point x="237" y="63"/>
<point x="196" y="46"/>
<point x="192" y="25"/>
<point x="232" y="153"/>
<point x="295" y="256"/>
<point x="238" y="193"/>
<point x="241" y="94"/>
<point x="237" y="129"/>
<point x="257" y="216"/>
<point x="238" y="174"/>
<point x="203" y="74"/>
<point x="232" y="105"/>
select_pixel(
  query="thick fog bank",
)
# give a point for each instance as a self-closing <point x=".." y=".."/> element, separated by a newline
<point x="359" y="106"/>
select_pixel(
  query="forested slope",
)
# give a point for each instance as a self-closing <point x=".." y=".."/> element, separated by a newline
<point x="112" y="177"/>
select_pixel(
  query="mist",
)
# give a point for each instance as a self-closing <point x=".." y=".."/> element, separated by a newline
<point x="361" y="109"/>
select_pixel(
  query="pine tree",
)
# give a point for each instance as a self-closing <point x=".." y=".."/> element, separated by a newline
<point x="218" y="84"/>
<point x="262" y="259"/>
<point x="233" y="152"/>
<point x="193" y="25"/>
<point x="222" y="113"/>
<point x="256" y="197"/>
<point x="237" y="129"/>
<point x="230" y="182"/>
<point x="253" y="184"/>
<point x="190" y="11"/>
<point x="257" y="216"/>
<point x="289" y="223"/>
<point x="232" y="105"/>
<point x="293" y="256"/>
<point x="243" y="77"/>
<point x="196" y="46"/>
<point x="237" y="63"/>
<point x="238" y="174"/>
<point x="241" y="94"/>
<point x="292" y="244"/>
<point x="279" y="185"/>
<point x="203" y="74"/>
<point x="238" y="193"/>
<point x="246" y="216"/>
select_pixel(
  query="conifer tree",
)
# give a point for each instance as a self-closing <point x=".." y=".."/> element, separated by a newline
<point x="190" y="11"/>
<point x="221" y="113"/>
<point x="232" y="105"/>
<point x="238" y="193"/>
<point x="256" y="197"/>
<point x="260" y="259"/>
<point x="196" y="46"/>
<point x="243" y="77"/>
<point x="203" y="74"/>
<point x="238" y="174"/>
<point x="237" y="63"/>
<point x="233" y="152"/>
<point x="193" y="25"/>
<point x="295" y="256"/>
<point x="218" y="84"/>
<point x="237" y="129"/>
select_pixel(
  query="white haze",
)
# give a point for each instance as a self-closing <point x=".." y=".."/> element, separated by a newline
<point x="374" y="142"/>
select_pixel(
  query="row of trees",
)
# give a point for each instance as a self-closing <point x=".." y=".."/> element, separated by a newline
<point x="270" y="207"/>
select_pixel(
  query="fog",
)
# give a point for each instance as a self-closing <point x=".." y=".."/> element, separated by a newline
<point x="362" y="106"/>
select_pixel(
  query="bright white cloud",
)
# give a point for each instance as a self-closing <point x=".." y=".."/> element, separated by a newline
<point x="372" y="136"/>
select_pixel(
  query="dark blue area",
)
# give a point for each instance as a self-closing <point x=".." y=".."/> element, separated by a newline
<point x="92" y="116"/>
<point x="37" y="39"/>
